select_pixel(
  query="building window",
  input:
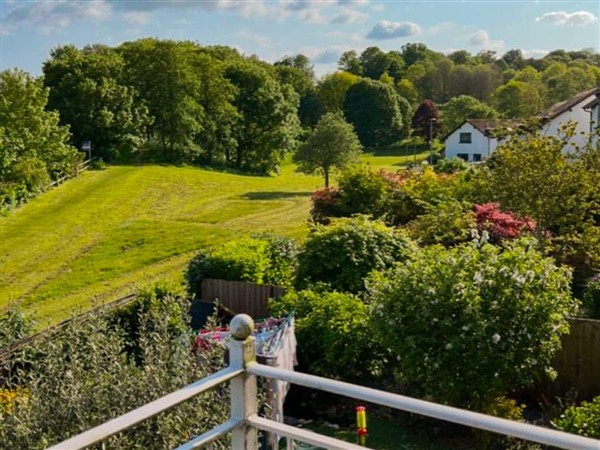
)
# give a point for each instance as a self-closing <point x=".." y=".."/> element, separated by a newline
<point x="465" y="138"/>
<point x="476" y="156"/>
<point x="464" y="156"/>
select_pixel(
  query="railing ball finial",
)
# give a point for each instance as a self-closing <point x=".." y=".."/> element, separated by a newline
<point x="241" y="326"/>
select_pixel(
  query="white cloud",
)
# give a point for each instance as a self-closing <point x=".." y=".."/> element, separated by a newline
<point x="481" y="39"/>
<point x="137" y="17"/>
<point x="392" y="30"/>
<point x="349" y="16"/>
<point x="576" y="19"/>
<point x="262" y="41"/>
<point x="378" y="7"/>
<point x="58" y="14"/>
<point x="313" y="16"/>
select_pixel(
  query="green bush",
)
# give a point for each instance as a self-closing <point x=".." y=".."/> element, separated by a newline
<point x="583" y="419"/>
<point x="447" y="223"/>
<point x="334" y="338"/>
<point x="264" y="258"/>
<point x="591" y="298"/>
<point x="450" y="165"/>
<point x="470" y="324"/>
<point x="362" y="192"/>
<point x="344" y="253"/>
<point x="84" y="376"/>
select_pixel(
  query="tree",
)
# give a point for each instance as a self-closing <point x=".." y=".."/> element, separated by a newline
<point x="88" y="89"/>
<point x="268" y="117"/>
<point x="425" y="121"/>
<point x="350" y="63"/>
<point x="332" y="145"/>
<point x="375" y="63"/>
<point x="165" y="75"/>
<point x="461" y="57"/>
<point x="332" y="90"/>
<point x="514" y="59"/>
<point x="516" y="99"/>
<point x="458" y="109"/>
<point x="373" y="108"/>
<point x="32" y="141"/>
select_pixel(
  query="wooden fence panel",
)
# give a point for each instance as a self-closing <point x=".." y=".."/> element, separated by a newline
<point x="240" y="296"/>
<point x="578" y="362"/>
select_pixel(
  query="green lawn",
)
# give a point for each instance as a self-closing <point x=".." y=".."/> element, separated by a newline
<point x="95" y="237"/>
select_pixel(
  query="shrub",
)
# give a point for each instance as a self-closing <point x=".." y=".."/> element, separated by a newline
<point x="450" y="165"/>
<point x="469" y="324"/>
<point x="334" y="339"/>
<point x="500" y="225"/>
<point x="345" y="252"/>
<point x="282" y="253"/>
<point x="83" y="376"/>
<point x="261" y="259"/>
<point x="591" y="298"/>
<point x="448" y="223"/>
<point x="583" y="420"/>
<point x="325" y="204"/>
<point x="363" y="192"/>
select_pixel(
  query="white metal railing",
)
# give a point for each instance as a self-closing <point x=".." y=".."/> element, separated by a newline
<point x="244" y="421"/>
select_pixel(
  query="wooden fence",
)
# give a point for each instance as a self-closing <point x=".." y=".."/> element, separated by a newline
<point x="240" y="296"/>
<point x="578" y="362"/>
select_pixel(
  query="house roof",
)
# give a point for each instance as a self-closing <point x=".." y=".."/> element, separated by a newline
<point x="593" y="103"/>
<point x="558" y="108"/>
<point x="485" y="126"/>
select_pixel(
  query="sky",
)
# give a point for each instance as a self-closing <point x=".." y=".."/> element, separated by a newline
<point x="321" y="29"/>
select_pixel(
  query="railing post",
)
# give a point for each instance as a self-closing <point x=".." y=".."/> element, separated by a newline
<point x="242" y="350"/>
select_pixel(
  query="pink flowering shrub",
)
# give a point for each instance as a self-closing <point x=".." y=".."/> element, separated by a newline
<point x="500" y="225"/>
<point x="325" y="204"/>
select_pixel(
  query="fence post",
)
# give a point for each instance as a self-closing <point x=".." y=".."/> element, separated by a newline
<point x="242" y="350"/>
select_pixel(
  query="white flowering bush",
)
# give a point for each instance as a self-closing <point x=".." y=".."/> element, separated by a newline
<point x="472" y="323"/>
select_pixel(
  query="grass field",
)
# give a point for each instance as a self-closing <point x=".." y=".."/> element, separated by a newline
<point x="95" y="237"/>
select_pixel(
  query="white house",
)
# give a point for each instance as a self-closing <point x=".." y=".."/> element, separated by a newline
<point x="575" y="109"/>
<point x="473" y="140"/>
<point x="593" y="108"/>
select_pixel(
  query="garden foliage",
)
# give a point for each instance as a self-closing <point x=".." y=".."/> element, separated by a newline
<point x="333" y="333"/>
<point x="344" y="253"/>
<point x="85" y="375"/>
<point x="263" y="259"/>
<point x="583" y="419"/>
<point x="472" y="323"/>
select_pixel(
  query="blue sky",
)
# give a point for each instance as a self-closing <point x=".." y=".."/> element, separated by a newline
<point x="320" y="29"/>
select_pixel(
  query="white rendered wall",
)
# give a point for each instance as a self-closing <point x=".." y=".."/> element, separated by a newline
<point x="578" y="115"/>
<point x="479" y="143"/>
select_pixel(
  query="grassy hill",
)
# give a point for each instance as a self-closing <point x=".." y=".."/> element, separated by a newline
<point x="94" y="238"/>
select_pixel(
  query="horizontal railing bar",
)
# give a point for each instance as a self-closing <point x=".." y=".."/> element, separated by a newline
<point x="300" y="434"/>
<point x="151" y="409"/>
<point x="448" y="413"/>
<point x="210" y="436"/>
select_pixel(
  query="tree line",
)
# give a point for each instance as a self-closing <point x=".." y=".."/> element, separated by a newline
<point x="179" y="101"/>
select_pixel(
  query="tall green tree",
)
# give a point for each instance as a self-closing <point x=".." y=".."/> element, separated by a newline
<point x="516" y="99"/>
<point x="88" y="89"/>
<point x="165" y="75"/>
<point x="333" y="89"/>
<point x="373" y="108"/>
<point x="458" y="109"/>
<point x="268" y="123"/>
<point x="332" y="145"/>
<point x="349" y="62"/>
<point x="34" y="147"/>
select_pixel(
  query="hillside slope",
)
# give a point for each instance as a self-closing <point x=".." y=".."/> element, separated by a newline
<point x="95" y="237"/>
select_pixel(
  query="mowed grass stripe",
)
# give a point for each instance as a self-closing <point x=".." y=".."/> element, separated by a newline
<point x="99" y="235"/>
